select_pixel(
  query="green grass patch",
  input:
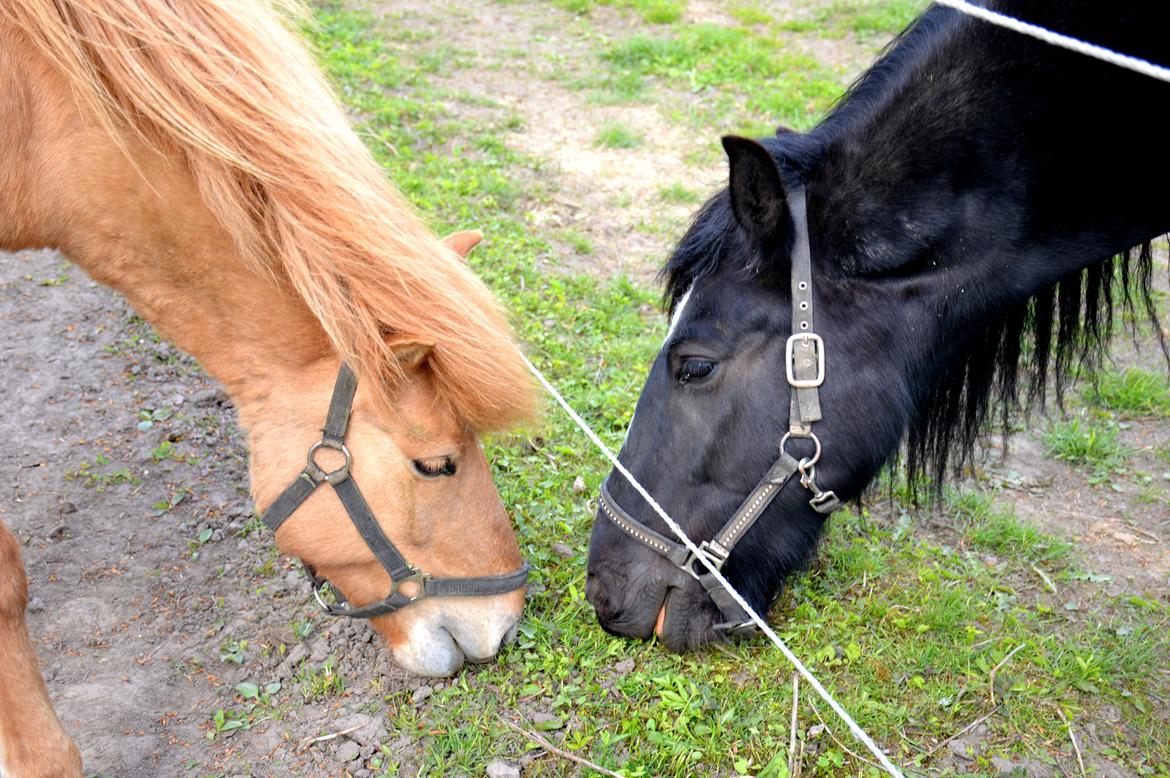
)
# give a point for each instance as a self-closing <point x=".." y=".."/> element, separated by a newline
<point x="678" y="194"/>
<point x="1081" y="440"/>
<point x="578" y="241"/>
<point x="652" y="11"/>
<point x="614" y="135"/>
<point x="773" y="81"/>
<point x="859" y="17"/>
<point x="1134" y="392"/>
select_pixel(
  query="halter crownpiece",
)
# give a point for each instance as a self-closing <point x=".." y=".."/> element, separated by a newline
<point x="333" y="437"/>
<point x="804" y="367"/>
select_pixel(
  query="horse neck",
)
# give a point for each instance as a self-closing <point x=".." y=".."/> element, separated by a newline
<point x="982" y="153"/>
<point x="131" y="216"/>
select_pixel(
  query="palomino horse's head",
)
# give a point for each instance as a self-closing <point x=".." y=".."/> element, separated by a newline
<point x="714" y="409"/>
<point x="424" y="476"/>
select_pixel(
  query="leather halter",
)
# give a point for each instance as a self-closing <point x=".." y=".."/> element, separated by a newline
<point x="333" y="437"/>
<point x="804" y="367"/>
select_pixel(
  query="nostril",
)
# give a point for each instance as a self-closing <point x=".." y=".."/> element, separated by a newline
<point x="512" y="633"/>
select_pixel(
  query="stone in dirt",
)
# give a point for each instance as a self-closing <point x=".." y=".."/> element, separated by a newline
<point x="500" y="769"/>
<point x="368" y="730"/>
<point x="421" y="693"/>
<point x="347" y="752"/>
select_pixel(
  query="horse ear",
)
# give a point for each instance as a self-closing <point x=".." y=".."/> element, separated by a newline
<point x="463" y="242"/>
<point x="408" y="350"/>
<point x="757" y="193"/>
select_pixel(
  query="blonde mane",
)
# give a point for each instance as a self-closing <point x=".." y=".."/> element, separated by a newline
<point x="231" y="87"/>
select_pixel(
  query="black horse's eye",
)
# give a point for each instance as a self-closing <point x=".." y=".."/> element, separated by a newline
<point x="434" y="467"/>
<point x="694" y="367"/>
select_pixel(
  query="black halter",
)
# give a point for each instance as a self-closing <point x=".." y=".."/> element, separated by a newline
<point x="359" y="512"/>
<point x="804" y="356"/>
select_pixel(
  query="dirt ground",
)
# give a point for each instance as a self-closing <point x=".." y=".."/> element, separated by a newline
<point x="137" y="603"/>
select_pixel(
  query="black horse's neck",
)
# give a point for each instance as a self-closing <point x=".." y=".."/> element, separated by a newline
<point x="973" y="150"/>
<point x="985" y="180"/>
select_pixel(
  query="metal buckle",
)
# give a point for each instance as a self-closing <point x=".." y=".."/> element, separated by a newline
<point x="320" y="600"/>
<point x="715" y="553"/>
<point x="332" y="476"/>
<point x="416" y="576"/>
<point x="819" y="345"/>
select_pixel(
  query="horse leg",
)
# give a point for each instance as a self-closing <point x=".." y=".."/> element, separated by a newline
<point x="33" y="744"/>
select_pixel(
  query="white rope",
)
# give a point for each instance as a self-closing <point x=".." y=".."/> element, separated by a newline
<point x="857" y="731"/>
<point x="1135" y="64"/>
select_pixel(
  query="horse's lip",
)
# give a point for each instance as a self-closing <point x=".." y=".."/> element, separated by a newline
<point x="660" y="623"/>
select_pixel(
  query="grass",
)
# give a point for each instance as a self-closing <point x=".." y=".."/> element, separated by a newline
<point x="1134" y="392"/>
<point x="904" y="627"/>
<point x="678" y="194"/>
<point x="1082" y="440"/>
<point x="614" y="135"/>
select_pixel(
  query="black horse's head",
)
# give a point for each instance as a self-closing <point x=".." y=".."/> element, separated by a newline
<point x="711" y="417"/>
<point x="961" y="247"/>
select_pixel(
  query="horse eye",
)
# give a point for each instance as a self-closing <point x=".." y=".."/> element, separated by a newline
<point x="434" y="468"/>
<point x="693" y="367"/>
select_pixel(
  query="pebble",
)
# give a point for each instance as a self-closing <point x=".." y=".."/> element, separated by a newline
<point x="578" y="485"/>
<point x="498" y="768"/>
<point x="368" y="732"/>
<point x="320" y="651"/>
<point x="296" y="655"/>
<point x="560" y="549"/>
<point x="961" y="748"/>
<point x="1003" y="765"/>
<point x="421" y="693"/>
<point x="206" y="397"/>
<point x="624" y="667"/>
<point x="348" y="751"/>
<point x="67" y="508"/>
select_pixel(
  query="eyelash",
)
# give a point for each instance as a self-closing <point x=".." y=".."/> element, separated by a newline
<point x="434" y="468"/>
<point x="686" y="373"/>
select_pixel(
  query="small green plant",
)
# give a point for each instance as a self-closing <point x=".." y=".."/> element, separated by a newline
<point x="677" y="193"/>
<point x="580" y="242"/>
<point x="172" y="502"/>
<point x="148" y="418"/>
<point x="233" y="651"/>
<point x="1082" y="442"/>
<point x="92" y="477"/>
<point x="322" y="682"/>
<point x="617" y="136"/>
<point x="1135" y="392"/>
<point x="661" y="11"/>
<point x="165" y="450"/>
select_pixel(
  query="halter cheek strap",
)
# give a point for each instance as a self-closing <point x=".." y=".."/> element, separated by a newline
<point x="804" y="367"/>
<point x="387" y="554"/>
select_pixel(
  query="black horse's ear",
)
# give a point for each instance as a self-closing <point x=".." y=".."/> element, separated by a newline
<point x="757" y="193"/>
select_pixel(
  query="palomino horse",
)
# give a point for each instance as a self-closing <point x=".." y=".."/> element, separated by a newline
<point x="191" y="156"/>
<point x="960" y="209"/>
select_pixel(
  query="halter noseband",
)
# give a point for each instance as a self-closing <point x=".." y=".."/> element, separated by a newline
<point x="333" y="437"/>
<point x="804" y="367"/>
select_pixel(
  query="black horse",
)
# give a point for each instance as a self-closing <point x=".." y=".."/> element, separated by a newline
<point x="970" y="203"/>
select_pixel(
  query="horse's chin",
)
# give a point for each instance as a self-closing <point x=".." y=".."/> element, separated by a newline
<point x="687" y="621"/>
<point x="437" y="636"/>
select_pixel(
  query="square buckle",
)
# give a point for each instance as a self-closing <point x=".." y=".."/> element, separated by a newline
<point x="789" y="352"/>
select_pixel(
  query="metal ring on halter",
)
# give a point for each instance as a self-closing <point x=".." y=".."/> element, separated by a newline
<point x="330" y="475"/>
<point x="805" y="462"/>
